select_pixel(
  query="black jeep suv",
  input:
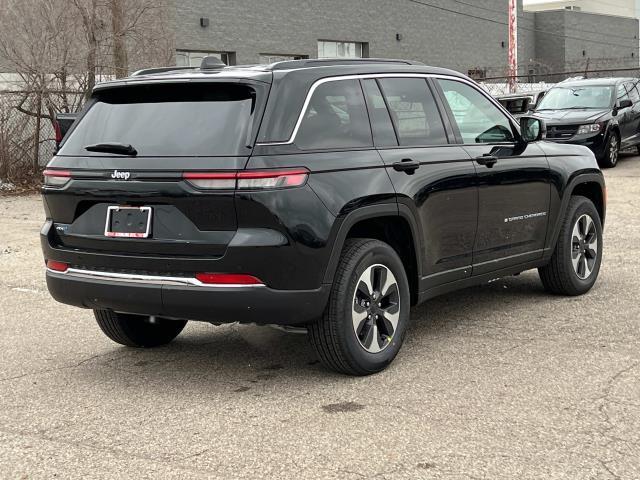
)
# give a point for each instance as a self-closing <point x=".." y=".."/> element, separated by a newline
<point x="330" y="195"/>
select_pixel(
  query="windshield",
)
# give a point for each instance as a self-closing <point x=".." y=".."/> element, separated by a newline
<point x="199" y="119"/>
<point x="593" y="96"/>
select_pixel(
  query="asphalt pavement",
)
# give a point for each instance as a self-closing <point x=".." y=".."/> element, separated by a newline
<point x="499" y="381"/>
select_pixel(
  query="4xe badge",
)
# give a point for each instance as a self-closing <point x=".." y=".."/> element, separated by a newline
<point x="116" y="175"/>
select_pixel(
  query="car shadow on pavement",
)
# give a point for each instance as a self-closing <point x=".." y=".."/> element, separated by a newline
<point x="243" y="358"/>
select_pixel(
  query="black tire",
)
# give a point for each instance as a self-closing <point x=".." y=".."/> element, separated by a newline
<point x="560" y="276"/>
<point x="138" y="330"/>
<point x="609" y="158"/>
<point x="638" y="149"/>
<point x="334" y="336"/>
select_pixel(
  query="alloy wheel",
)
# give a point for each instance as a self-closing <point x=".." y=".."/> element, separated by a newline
<point x="376" y="308"/>
<point x="584" y="246"/>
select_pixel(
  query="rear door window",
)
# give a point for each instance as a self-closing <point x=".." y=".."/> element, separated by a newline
<point x="414" y="111"/>
<point x="383" y="133"/>
<point x="336" y="117"/>
<point x="199" y="119"/>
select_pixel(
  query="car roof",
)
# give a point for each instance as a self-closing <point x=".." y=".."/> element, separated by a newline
<point x="264" y="73"/>
<point x="609" y="81"/>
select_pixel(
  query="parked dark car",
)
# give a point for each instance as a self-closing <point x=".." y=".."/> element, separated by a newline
<point x="520" y="104"/>
<point x="602" y="114"/>
<point x="329" y="195"/>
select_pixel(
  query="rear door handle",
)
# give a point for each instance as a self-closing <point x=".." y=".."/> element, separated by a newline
<point x="487" y="160"/>
<point x="406" y="165"/>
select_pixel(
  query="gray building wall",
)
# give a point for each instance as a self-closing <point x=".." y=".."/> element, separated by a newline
<point x="432" y="36"/>
<point x="550" y="49"/>
<point x="526" y="39"/>
<point x="549" y="42"/>
<point x="620" y="32"/>
<point x="585" y="40"/>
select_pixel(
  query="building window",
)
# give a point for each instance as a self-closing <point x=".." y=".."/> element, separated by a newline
<point x="333" y="49"/>
<point x="266" y="58"/>
<point x="185" y="58"/>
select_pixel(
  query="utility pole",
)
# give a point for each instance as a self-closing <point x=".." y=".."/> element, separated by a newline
<point x="513" y="45"/>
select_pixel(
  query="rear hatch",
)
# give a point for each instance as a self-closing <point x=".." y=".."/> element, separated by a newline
<point x="120" y="183"/>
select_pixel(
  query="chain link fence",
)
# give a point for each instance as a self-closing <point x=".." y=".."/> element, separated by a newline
<point x="499" y="85"/>
<point x="27" y="133"/>
<point x="495" y="89"/>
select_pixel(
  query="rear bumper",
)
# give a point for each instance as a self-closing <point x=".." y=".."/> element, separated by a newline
<point x="176" y="298"/>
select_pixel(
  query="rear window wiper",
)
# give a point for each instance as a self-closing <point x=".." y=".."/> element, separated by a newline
<point x="112" y="147"/>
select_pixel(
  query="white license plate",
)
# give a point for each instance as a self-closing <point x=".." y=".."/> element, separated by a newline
<point x="128" y="222"/>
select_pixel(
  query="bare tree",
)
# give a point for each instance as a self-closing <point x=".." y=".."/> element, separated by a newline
<point x="120" y="61"/>
<point x="59" y="49"/>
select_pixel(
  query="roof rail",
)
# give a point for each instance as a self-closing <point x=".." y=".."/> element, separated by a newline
<point x="151" y="71"/>
<point x="326" y="62"/>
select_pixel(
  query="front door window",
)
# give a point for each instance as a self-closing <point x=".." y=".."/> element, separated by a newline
<point x="477" y="118"/>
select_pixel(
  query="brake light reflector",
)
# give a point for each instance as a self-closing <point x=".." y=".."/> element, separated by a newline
<point x="56" y="178"/>
<point x="228" y="279"/>
<point x="58" y="132"/>
<point x="248" y="179"/>
<point x="57" y="266"/>
<point x="287" y="178"/>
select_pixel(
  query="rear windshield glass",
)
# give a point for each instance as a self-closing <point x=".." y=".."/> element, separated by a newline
<point x="199" y="119"/>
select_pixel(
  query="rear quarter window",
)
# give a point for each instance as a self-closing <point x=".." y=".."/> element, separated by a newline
<point x="336" y="117"/>
<point x="198" y="119"/>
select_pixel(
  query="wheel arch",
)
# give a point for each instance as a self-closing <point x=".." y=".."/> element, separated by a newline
<point x="390" y="223"/>
<point x="615" y="128"/>
<point x="591" y="186"/>
<point x="594" y="192"/>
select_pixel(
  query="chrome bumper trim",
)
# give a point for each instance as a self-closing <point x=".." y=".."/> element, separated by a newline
<point x="146" y="279"/>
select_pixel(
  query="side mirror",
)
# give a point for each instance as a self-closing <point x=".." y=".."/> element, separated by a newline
<point x="625" y="104"/>
<point x="532" y="129"/>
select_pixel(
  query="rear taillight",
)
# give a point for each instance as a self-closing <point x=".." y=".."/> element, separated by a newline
<point x="56" y="178"/>
<point x="58" y="132"/>
<point x="228" y="279"/>
<point x="211" y="181"/>
<point x="294" y="177"/>
<point x="57" y="266"/>
<point x="248" y="179"/>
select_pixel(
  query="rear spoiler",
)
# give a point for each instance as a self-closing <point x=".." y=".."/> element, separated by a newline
<point x="62" y="125"/>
